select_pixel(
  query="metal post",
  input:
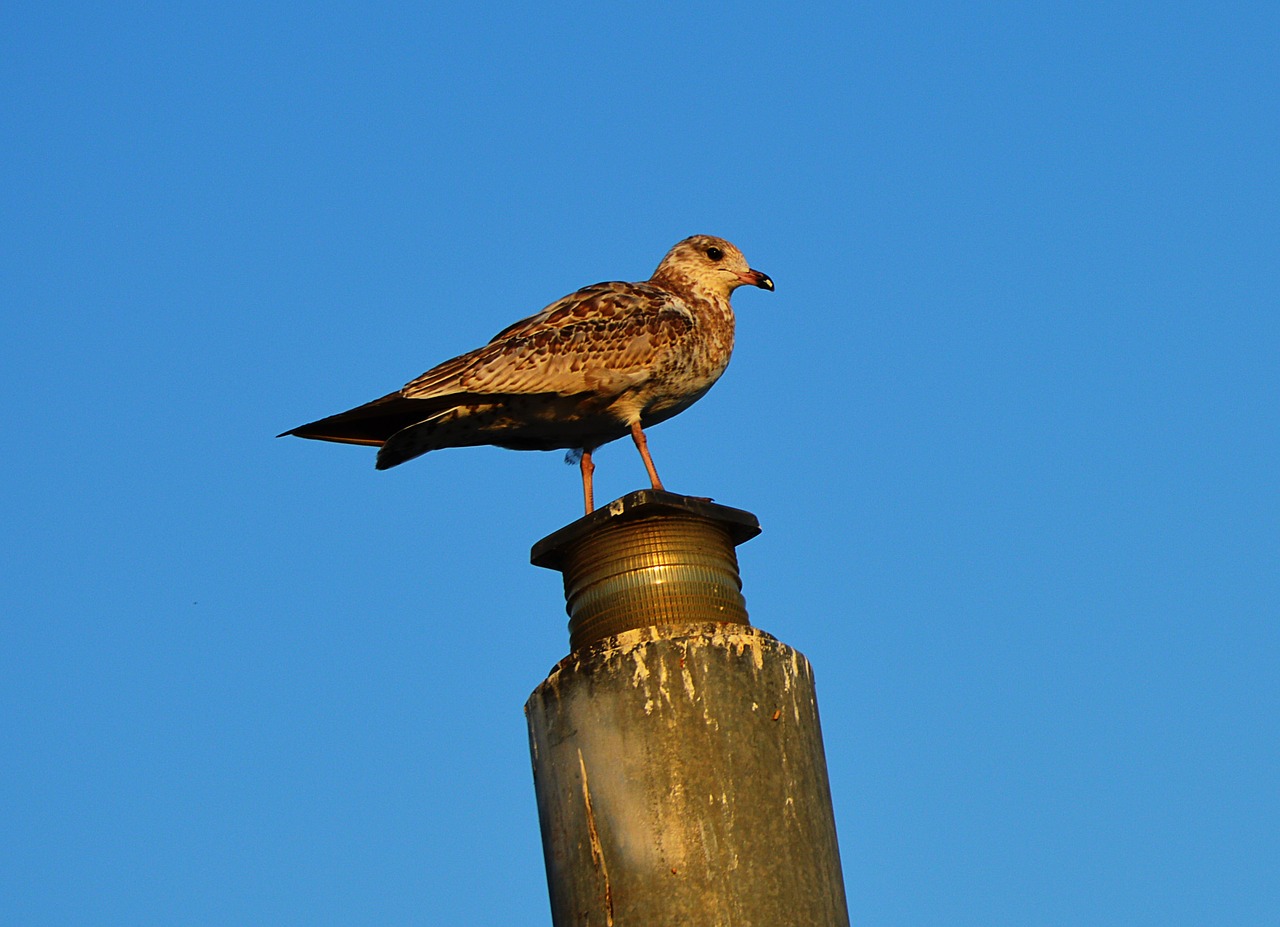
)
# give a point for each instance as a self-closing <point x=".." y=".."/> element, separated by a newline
<point x="677" y="756"/>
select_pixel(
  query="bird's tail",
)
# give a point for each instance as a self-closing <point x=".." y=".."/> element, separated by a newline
<point x="416" y="440"/>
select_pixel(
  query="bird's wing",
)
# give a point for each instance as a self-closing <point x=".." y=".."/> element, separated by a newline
<point x="603" y="338"/>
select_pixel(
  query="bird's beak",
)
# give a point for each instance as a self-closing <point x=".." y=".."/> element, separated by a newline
<point x="755" y="278"/>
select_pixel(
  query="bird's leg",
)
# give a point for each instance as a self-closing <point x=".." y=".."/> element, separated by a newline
<point x="642" y="445"/>
<point x="588" y="492"/>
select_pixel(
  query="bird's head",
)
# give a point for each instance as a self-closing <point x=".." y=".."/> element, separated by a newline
<point x="707" y="266"/>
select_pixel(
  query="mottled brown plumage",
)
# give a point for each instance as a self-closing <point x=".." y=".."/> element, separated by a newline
<point x="599" y="364"/>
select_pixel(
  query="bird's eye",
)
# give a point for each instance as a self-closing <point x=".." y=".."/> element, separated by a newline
<point x="715" y="254"/>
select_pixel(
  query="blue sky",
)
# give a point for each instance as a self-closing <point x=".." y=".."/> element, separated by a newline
<point x="1009" y="423"/>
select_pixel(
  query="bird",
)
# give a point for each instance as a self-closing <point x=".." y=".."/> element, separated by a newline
<point x="602" y="363"/>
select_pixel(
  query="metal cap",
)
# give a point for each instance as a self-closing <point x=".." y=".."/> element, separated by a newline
<point x="649" y="559"/>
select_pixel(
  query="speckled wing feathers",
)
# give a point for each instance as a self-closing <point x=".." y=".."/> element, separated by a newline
<point x="603" y="338"/>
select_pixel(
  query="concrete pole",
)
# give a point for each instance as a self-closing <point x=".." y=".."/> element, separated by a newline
<point x="677" y="756"/>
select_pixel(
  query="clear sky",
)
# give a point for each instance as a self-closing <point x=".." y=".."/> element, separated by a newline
<point x="1010" y="423"/>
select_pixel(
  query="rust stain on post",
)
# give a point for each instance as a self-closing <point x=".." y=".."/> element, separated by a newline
<point x="597" y="851"/>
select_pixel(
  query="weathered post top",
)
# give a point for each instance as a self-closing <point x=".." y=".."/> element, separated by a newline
<point x="677" y="754"/>
<point x="651" y="558"/>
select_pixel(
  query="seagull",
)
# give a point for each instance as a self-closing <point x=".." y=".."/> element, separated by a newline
<point x="606" y="361"/>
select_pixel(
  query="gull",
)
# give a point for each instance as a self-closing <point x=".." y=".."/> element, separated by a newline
<point x="606" y="361"/>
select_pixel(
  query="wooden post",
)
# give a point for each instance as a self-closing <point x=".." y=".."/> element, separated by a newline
<point x="677" y="755"/>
